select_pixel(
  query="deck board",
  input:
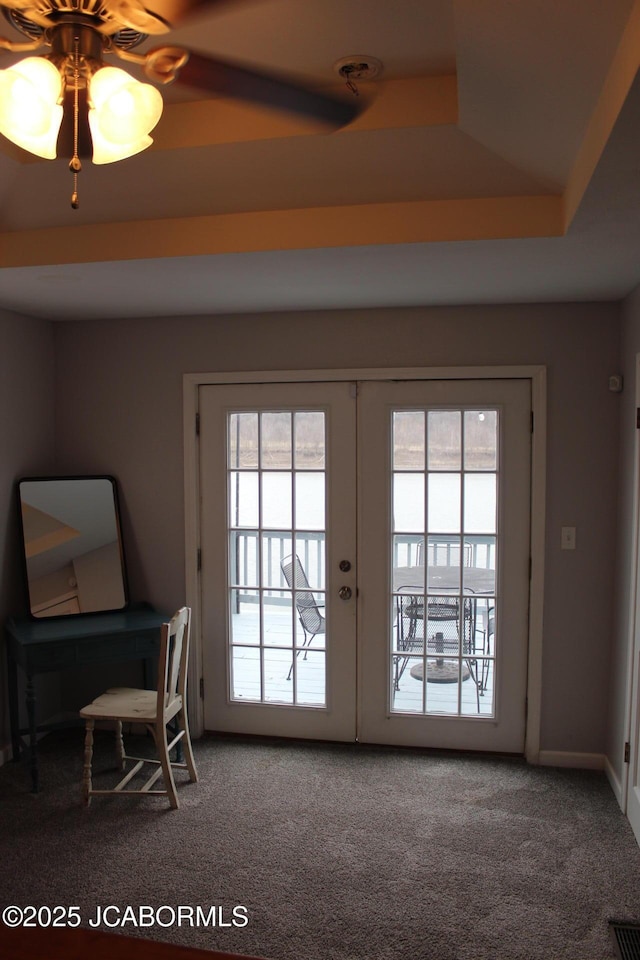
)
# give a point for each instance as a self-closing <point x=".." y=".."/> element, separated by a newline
<point x="442" y="698"/>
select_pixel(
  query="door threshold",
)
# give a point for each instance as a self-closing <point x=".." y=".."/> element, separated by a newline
<point x="268" y="739"/>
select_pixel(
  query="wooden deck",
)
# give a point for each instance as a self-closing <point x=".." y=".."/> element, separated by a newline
<point x="307" y="684"/>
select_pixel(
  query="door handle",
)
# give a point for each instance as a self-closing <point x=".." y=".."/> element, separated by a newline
<point x="345" y="593"/>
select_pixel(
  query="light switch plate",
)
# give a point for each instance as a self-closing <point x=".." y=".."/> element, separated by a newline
<point x="568" y="538"/>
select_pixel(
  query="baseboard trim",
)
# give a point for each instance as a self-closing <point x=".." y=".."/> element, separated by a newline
<point x="614" y="783"/>
<point x="577" y="761"/>
<point x="546" y="758"/>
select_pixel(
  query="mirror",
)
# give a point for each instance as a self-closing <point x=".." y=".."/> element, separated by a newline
<point x="72" y="545"/>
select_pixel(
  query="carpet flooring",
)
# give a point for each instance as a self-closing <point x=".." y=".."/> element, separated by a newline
<point x="334" y="852"/>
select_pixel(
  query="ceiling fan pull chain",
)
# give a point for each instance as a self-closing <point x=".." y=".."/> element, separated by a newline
<point x="74" y="164"/>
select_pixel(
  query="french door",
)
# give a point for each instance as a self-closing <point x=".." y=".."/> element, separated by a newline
<point x="444" y="565"/>
<point x="365" y="558"/>
<point x="278" y="509"/>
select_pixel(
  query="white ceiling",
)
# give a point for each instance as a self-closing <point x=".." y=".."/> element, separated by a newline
<point x="528" y="191"/>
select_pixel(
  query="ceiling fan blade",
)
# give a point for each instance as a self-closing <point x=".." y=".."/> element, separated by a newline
<point x="65" y="137"/>
<point x="229" y="80"/>
<point x="176" y="11"/>
<point x="30" y="10"/>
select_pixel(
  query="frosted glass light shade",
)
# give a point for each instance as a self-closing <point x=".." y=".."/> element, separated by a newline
<point x="30" y="114"/>
<point x="106" y="152"/>
<point x="122" y="113"/>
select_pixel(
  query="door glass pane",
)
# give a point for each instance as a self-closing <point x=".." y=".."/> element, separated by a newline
<point x="277" y="621"/>
<point x="442" y="624"/>
<point x="276" y="519"/>
<point x="243" y="498"/>
<point x="444" y="502"/>
<point x="483" y="705"/>
<point x="311" y="680"/>
<point x="276" y="544"/>
<point x="480" y="503"/>
<point x="480" y="439"/>
<point x="275" y="452"/>
<point x="243" y="557"/>
<point x="408" y="550"/>
<point x="408" y="502"/>
<point x="309" y="440"/>
<point x="243" y="440"/>
<point x="445" y="439"/>
<point x="309" y="491"/>
<point x="310" y="549"/>
<point x="276" y="500"/>
<point x="443" y="684"/>
<point x="245" y="673"/>
<point x="245" y="617"/>
<point x="408" y="440"/>
<point x="276" y="666"/>
<point x="479" y="571"/>
<point x="407" y="688"/>
<point x="443" y="572"/>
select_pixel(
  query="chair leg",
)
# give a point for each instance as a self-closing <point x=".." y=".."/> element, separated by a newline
<point x="119" y="745"/>
<point x="183" y="723"/>
<point x="306" y="642"/>
<point x="162" y="745"/>
<point x="88" y="756"/>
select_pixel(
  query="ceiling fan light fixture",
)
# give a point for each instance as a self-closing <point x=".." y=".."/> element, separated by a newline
<point x="104" y="151"/>
<point x="122" y="113"/>
<point x="30" y="109"/>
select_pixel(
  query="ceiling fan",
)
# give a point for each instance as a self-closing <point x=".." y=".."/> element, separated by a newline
<point x="68" y="101"/>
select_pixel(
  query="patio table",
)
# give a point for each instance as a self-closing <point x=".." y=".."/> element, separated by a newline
<point x="477" y="582"/>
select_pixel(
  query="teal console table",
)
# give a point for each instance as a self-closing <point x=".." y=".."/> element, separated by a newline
<point x="51" y="645"/>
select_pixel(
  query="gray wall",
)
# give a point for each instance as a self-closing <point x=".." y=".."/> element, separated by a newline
<point x="618" y="702"/>
<point x="119" y="410"/>
<point x="26" y="441"/>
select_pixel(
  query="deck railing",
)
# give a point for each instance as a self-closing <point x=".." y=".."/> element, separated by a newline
<point x="408" y="551"/>
<point x="444" y="550"/>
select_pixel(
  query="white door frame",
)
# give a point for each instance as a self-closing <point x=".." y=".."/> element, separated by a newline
<point x="538" y="376"/>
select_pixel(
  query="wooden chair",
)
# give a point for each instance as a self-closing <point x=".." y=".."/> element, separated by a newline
<point x="153" y="708"/>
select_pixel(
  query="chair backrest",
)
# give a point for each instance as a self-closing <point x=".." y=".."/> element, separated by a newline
<point x="172" y="663"/>
<point x="306" y="605"/>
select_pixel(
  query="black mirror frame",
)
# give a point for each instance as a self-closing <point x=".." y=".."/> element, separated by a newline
<point x="123" y="566"/>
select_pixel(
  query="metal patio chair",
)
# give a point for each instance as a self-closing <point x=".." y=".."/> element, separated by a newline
<point x="311" y="620"/>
